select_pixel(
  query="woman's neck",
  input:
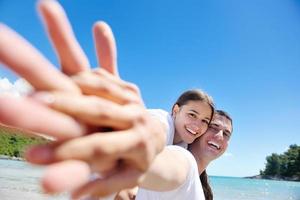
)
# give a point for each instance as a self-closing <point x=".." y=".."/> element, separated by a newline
<point x="177" y="139"/>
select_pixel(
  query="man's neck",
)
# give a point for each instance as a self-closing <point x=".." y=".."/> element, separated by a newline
<point x="202" y="164"/>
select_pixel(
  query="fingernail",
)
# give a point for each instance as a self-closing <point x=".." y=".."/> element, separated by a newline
<point x="39" y="155"/>
<point x="44" y="97"/>
<point x="75" y="196"/>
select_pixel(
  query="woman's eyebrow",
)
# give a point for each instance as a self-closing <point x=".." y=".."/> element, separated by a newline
<point x="196" y="112"/>
<point x="192" y="110"/>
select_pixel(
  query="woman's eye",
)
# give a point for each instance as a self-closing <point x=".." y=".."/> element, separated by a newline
<point x="205" y="121"/>
<point x="192" y="115"/>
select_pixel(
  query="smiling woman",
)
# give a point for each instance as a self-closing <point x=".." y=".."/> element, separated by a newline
<point x="189" y="119"/>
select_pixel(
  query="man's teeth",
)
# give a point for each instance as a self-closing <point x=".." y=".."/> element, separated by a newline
<point x="191" y="131"/>
<point x="214" y="145"/>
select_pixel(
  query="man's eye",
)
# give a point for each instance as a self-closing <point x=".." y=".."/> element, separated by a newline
<point x="214" y="129"/>
<point x="227" y="134"/>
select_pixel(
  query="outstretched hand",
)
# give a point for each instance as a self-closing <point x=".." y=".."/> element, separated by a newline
<point x="67" y="108"/>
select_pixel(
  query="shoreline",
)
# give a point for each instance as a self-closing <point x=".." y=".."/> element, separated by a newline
<point x="4" y="157"/>
<point x="260" y="177"/>
<point x="274" y="178"/>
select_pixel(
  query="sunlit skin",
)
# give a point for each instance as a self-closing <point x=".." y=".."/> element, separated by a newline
<point x="191" y="121"/>
<point x="213" y="143"/>
<point x="56" y="108"/>
<point x="137" y="145"/>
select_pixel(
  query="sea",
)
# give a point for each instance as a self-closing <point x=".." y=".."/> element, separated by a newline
<point x="19" y="181"/>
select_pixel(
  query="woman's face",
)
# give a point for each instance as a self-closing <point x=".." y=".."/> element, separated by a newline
<point x="191" y="120"/>
<point x="214" y="142"/>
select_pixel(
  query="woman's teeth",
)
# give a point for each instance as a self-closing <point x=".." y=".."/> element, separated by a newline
<point x="191" y="131"/>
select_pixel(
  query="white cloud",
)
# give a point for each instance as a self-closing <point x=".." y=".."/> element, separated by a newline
<point x="227" y="154"/>
<point x="18" y="88"/>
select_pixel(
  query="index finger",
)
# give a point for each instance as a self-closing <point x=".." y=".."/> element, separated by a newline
<point x="21" y="57"/>
<point x="37" y="118"/>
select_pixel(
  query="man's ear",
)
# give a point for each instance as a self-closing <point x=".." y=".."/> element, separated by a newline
<point x="175" y="109"/>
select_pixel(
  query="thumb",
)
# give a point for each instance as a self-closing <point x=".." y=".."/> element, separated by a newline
<point x="65" y="176"/>
<point x="124" y="178"/>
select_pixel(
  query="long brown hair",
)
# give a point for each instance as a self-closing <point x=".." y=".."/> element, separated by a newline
<point x="195" y="95"/>
<point x="206" y="187"/>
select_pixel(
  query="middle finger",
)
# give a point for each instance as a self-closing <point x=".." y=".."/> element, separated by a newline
<point x="24" y="59"/>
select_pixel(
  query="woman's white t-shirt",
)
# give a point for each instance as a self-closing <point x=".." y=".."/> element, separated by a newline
<point x="166" y="118"/>
<point x="191" y="188"/>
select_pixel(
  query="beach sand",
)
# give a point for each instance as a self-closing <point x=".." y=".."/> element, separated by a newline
<point x="30" y="195"/>
<point x="20" y="181"/>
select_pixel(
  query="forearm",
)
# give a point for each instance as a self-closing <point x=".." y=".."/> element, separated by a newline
<point x="159" y="134"/>
<point x="168" y="171"/>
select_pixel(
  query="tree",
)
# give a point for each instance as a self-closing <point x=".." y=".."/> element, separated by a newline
<point x="273" y="165"/>
<point x="291" y="161"/>
<point x="284" y="165"/>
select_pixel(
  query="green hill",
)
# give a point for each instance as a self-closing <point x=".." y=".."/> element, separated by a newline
<point x="283" y="166"/>
<point x="13" y="141"/>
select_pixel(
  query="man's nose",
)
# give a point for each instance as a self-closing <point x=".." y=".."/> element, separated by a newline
<point x="219" y="134"/>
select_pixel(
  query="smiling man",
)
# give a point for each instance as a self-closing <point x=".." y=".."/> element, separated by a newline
<point x="215" y="140"/>
<point x="211" y="145"/>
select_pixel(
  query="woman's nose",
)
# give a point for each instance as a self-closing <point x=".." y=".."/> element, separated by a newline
<point x="195" y="127"/>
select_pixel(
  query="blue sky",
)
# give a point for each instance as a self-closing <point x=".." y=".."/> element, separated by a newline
<point x="246" y="54"/>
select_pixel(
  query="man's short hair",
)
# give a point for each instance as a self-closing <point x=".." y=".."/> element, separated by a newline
<point x="225" y="114"/>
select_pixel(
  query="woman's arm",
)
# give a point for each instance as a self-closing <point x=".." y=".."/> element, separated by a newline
<point x="168" y="171"/>
<point x="141" y="133"/>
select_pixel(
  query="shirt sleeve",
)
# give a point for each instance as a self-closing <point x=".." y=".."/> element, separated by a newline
<point x="165" y="118"/>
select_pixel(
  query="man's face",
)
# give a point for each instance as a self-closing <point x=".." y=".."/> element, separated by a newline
<point x="215" y="140"/>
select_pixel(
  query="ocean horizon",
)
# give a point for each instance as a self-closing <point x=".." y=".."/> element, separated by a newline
<point x="19" y="180"/>
<point x="239" y="188"/>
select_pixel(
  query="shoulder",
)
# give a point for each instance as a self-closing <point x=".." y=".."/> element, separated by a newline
<point x="190" y="188"/>
<point x="158" y="112"/>
<point x="166" y="119"/>
<point x="193" y="167"/>
<point x="161" y="115"/>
